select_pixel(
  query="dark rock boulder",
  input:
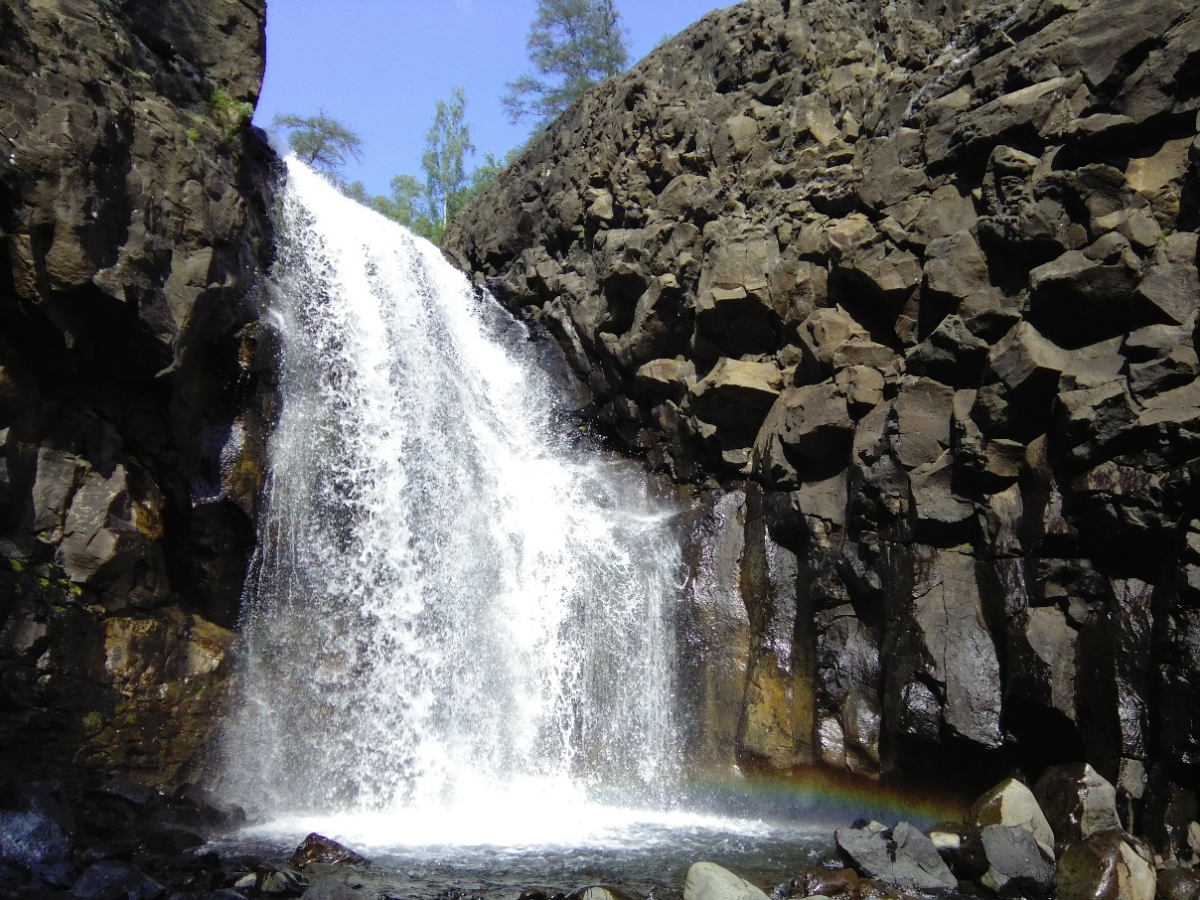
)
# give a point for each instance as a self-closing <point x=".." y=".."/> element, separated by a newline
<point x="36" y="843"/>
<point x="1178" y="884"/>
<point x="114" y="880"/>
<point x="1108" y="865"/>
<point x="1011" y="803"/>
<point x="1077" y="802"/>
<point x="1017" y="865"/>
<point x="317" y="848"/>
<point x="822" y="883"/>
<point x="902" y="857"/>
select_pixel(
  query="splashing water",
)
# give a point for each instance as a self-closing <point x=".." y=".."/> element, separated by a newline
<point x="447" y="604"/>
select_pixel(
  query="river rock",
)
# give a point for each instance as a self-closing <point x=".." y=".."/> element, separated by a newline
<point x="1178" y="884"/>
<point x="708" y="881"/>
<point x="280" y="882"/>
<point x="1077" y="802"/>
<point x="37" y="843"/>
<point x="317" y="848"/>
<point x="821" y="882"/>
<point x="1017" y="865"/>
<point x="1011" y="803"/>
<point x="115" y="880"/>
<point x="902" y="857"/>
<point x="947" y="837"/>
<point x="1108" y="865"/>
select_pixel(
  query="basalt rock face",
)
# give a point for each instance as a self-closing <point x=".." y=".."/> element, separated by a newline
<point x="134" y="395"/>
<point x="919" y="279"/>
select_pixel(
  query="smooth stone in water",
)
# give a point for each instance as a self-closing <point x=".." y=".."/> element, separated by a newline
<point x="316" y="848"/>
<point x="947" y="839"/>
<point x="708" y="881"/>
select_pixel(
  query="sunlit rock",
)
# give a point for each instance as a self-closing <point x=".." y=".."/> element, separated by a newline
<point x="708" y="881"/>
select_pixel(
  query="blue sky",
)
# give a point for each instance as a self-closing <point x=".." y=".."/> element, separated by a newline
<point x="380" y="66"/>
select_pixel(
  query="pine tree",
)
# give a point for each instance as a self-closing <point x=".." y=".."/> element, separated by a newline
<point x="573" y="45"/>
<point x="321" y="141"/>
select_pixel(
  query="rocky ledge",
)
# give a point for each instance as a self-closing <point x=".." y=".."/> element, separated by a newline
<point x="904" y="296"/>
<point x="133" y="402"/>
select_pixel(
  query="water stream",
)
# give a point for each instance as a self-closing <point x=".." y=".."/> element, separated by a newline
<point x="458" y="643"/>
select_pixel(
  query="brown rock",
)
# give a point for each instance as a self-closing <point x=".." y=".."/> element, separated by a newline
<point x="1108" y="865"/>
<point x="736" y="394"/>
<point x="1077" y="802"/>
<point x="923" y="413"/>
<point x="810" y="427"/>
<point x="317" y="848"/>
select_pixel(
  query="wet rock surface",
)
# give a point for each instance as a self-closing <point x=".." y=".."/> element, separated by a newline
<point x="708" y="881"/>
<point x="317" y="849"/>
<point x="1077" y="802"/>
<point x="901" y="857"/>
<point x="924" y="277"/>
<point x="1108" y="864"/>
<point x="111" y="841"/>
<point x="135" y="390"/>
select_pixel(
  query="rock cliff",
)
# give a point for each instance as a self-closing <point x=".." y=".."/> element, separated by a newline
<point x="908" y="291"/>
<point x="133" y="402"/>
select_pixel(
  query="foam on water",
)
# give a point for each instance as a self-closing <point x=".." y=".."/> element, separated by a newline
<point x="451" y="612"/>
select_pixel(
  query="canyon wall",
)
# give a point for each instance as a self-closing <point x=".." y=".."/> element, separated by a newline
<point x="134" y="401"/>
<point x="904" y="296"/>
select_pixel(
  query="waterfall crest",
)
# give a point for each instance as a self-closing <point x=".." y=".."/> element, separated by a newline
<point x="444" y="595"/>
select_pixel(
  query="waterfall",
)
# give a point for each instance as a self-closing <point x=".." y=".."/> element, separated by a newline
<point x="447" y="596"/>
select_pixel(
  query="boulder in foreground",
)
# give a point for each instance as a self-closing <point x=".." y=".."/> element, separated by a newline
<point x="708" y="881"/>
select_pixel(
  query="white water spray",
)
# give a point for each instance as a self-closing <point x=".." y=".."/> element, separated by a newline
<point x="446" y="603"/>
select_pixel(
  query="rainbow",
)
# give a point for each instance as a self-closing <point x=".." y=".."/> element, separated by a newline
<point x="819" y="797"/>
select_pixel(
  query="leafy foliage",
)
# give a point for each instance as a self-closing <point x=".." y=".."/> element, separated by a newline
<point x="230" y="114"/>
<point x="573" y="45"/>
<point x="429" y="206"/>
<point x="447" y="143"/>
<point x="487" y="173"/>
<point x="426" y="206"/>
<point x="407" y="205"/>
<point x="321" y="141"/>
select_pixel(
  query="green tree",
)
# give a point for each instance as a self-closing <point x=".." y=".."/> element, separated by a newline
<point x="407" y="205"/>
<point x="447" y="144"/>
<point x="428" y="207"/>
<point x="573" y="45"/>
<point x="487" y="173"/>
<point x="321" y="141"/>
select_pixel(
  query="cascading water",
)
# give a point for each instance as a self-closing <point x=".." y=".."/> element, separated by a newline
<point x="447" y="603"/>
